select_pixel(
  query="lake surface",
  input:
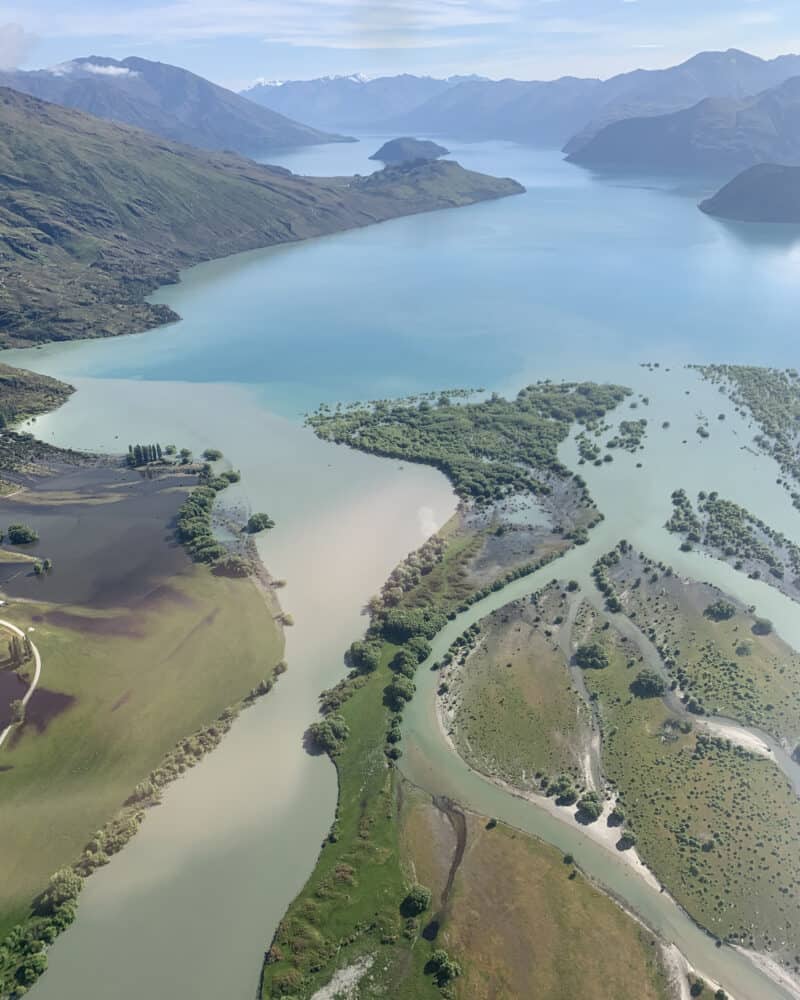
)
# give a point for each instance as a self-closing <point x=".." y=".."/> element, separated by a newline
<point x="570" y="278"/>
<point x="581" y="277"/>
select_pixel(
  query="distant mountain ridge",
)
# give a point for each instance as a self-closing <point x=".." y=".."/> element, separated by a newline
<point x="715" y="134"/>
<point x="94" y="216"/>
<point x="567" y="112"/>
<point x="166" y="100"/>
<point x="349" y="102"/>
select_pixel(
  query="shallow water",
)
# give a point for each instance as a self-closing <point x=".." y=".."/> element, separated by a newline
<point x="582" y="278"/>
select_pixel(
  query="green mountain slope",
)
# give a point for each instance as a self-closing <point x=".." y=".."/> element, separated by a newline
<point x="93" y="216"/>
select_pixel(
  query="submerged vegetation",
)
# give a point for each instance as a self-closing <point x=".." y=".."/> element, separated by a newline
<point x="728" y="531"/>
<point x="489" y="449"/>
<point x="772" y="397"/>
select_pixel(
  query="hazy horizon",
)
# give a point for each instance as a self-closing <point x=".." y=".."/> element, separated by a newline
<point x="305" y="39"/>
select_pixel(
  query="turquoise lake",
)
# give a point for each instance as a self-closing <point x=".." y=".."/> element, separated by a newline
<point x="572" y="278"/>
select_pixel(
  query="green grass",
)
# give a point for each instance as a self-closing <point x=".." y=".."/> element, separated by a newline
<point x="350" y="905"/>
<point x="718" y="826"/>
<point x="136" y="695"/>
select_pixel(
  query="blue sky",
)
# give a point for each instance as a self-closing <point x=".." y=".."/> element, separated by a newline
<point x="236" y="41"/>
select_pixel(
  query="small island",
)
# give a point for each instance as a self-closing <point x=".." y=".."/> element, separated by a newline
<point x="409" y="150"/>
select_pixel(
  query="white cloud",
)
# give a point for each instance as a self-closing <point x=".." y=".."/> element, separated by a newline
<point x="326" y="23"/>
<point x="15" y="44"/>
<point x="98" y="69"/>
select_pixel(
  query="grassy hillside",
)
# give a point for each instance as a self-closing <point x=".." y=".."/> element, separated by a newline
<point x="93" y="216"/>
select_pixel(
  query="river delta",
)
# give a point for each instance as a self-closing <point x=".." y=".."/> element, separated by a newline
<point x="586" y="278"/>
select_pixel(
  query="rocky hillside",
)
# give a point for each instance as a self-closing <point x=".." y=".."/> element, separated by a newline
<point x="94" y="216"/>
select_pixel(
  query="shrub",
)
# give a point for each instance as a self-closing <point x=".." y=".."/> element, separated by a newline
<point x="329" y="734"/>
<point x="21" y="534"/>
<point x="212" y="454"/>
<point x="761" y="626"/>
<point x="417" y="901"/>
<point x="648" y="684"/>
<point x="259" y="522"/>
<point x="404" y="662"/>
<point x="401" y="625"/>
<point x="590" y="808"/>
<point x="233" y="565"/>
<point x="443" y="967"/>
<point x="399" y="691"/>
<point x="591" y="656"/>
<point x="63" y="887"/>
<point x="720" y="611"/>
<point x="365" y="656"/>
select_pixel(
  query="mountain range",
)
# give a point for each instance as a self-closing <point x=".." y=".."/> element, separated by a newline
<point x="350" y="102"/>
<point x="566" y="112"/>
<point x="95" y="215"/>
<point x="717" y="134"/>
<point x="166" y="100"/>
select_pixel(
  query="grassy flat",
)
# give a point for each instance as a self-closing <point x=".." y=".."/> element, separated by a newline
<point x="717" y="825"/>
<point x="516" y="918"/>
<point x="513" y="708"/>
<point x="727" y="668"/>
